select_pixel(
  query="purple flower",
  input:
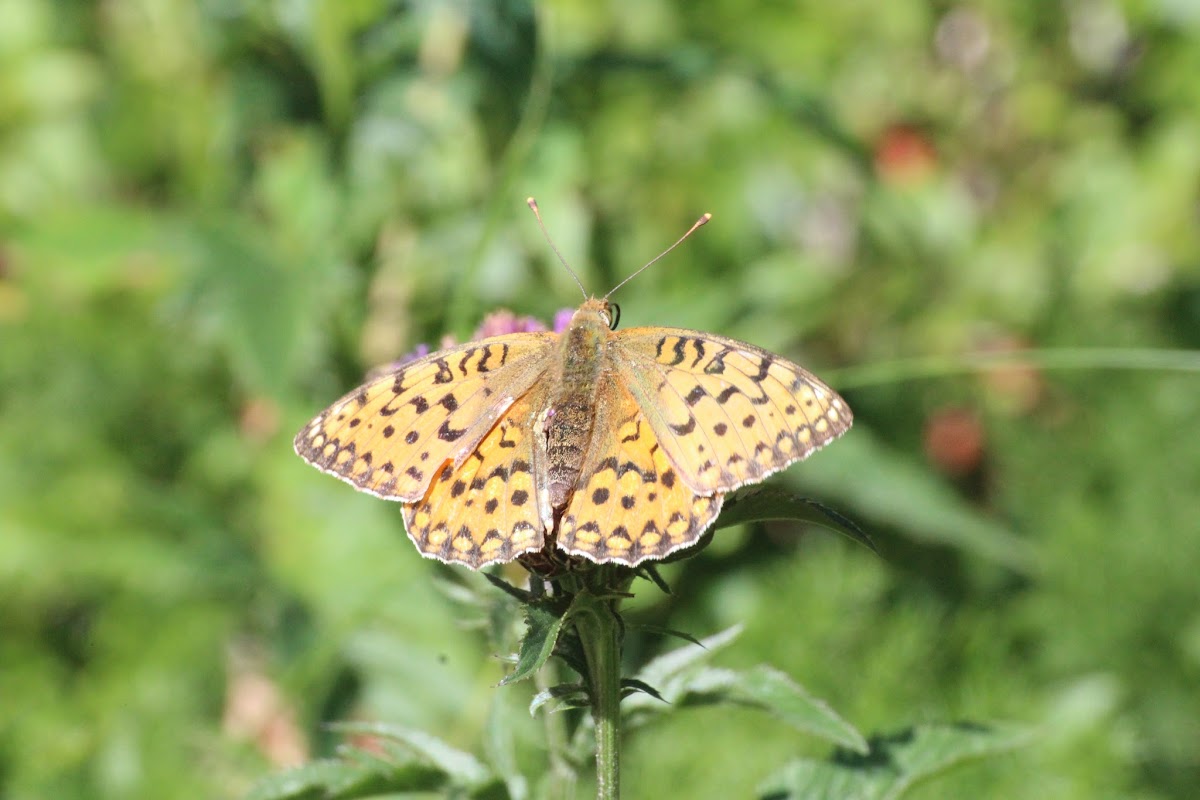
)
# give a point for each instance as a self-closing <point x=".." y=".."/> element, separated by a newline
<point x="421" y="351"/>
<point x="562" y="319"/>
<point x="504" y="321"/>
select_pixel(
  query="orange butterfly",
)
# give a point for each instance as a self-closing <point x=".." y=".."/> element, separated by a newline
<point x="618" y="446"/>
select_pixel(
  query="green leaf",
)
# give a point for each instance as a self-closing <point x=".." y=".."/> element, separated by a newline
<point x="570" y="650"/>
<point x="631" y="686"/>
<point x="344" y="779"/>
<point x="519" y="594"/>
<point x="543" y="624"/>
<point x="668" y="666"/>
<point x="683" y="679"/>
<point x="564" y="691"/>
<point x="650" y="573"/>
<point x="659" y="629"/>
<point x="766" y="688"/>
<point x="894" y="764"/>
<point x="769" y="502"/>
<point x="462" y="768"/>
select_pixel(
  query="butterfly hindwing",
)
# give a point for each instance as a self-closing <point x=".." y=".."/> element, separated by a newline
<point x="486" y="510"/>
<point x="630" y="503"/>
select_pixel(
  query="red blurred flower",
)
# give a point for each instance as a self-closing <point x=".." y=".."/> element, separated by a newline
<point x="954" y="441"/>
<point x="904" y="155"/>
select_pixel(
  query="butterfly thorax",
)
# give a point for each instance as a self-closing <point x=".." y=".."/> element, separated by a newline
<point x="567" y="421"/>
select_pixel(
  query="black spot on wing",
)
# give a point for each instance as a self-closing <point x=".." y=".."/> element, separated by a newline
<point x="717" y="365"/>
<point x="685" y="428"/>
<point x="726" y="393"/>
<point x="679" y="354"/>
<point x="462" y="362"/>
<point x="448" y="434"/>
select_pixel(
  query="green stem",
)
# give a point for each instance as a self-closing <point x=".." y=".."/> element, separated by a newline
<point x="599" y="630"/>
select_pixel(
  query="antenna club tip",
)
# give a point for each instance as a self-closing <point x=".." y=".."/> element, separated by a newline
<point x="705" y="217"/>
<point x="529" y="201"/>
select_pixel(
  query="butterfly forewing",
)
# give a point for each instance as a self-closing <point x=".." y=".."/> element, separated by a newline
<point x="725" y="412"/>
<point x="392" y="436"/>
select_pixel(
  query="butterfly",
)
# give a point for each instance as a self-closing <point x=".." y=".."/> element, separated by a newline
<point x="618" y="446"/>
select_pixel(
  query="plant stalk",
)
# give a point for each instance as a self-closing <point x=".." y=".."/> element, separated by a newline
<point x="600" y="634"/>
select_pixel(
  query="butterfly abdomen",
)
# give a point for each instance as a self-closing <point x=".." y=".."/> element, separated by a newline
<point x="568" y="421"/>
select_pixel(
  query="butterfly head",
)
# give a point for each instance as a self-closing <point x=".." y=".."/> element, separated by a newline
<point x="601" y="309"/>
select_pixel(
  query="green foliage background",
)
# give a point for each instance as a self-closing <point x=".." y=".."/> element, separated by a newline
<point x="215" y="216"/>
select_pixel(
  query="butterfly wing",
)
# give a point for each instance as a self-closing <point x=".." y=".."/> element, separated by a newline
<point x="487" y="510"/>
<point x="726" y="413"/>
<point x="630" y="504"/>
<point x="392" y="436"/>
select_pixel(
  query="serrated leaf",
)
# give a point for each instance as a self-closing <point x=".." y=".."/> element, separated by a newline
<point x="462" y="767"/>
<point x="343" y="780"/>
<point x="660" y="670"/>
<point x="571" y="702"/>
<point x="894" y="764"/>
<point x="571" y="652"/>
<point x="630" y="686"/>
<point x="537" y="645"/>
<point x="562" y="691"/>
<point x="659" y="629"/>
<point x="650" y="573"/>
<point x="763" y="503"/>
<point x="521" y="595"/>
<point x="772" y="691"/>
<point x="309" y="780"/>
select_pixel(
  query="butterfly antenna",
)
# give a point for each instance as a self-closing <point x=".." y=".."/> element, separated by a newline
<point x="657" y="258"/>
<point x="538" y="215"/>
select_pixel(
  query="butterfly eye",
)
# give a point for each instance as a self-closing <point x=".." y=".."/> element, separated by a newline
<point x="615" y="310"/>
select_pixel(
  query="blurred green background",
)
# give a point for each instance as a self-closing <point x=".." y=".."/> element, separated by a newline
<point x="216" y="216"/>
